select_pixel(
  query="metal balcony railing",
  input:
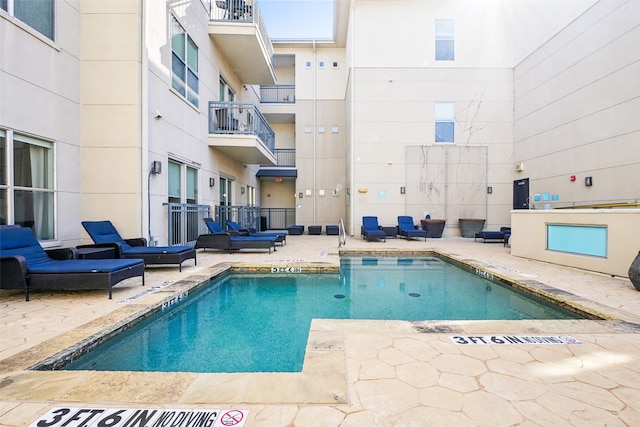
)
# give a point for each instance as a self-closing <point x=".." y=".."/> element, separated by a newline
<point x="185" y="222"/>
<point x="278" y="94"/>
<point x="241" y="11"/>
<point x="240" y="119"/>
<point x="285" y="157"/>
<point x="257" y="218"/>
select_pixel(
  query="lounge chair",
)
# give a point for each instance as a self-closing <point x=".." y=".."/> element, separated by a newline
<point x="370" y="230"/>
<point x="234" y="226"/>
<point x="408" y="230"/>
<point x="104" y="233"/>
<point x="231" y="241"/>
<point x="296" y="230"/>
<point x="26" y="265"/>
<point x="494" y="236"/>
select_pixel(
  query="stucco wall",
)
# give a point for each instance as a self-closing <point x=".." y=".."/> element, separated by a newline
<point x="529" y="237"/>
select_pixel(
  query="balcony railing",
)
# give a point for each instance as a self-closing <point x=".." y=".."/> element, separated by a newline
<point x="240" y="119"/>
<point x="286" y="157"/>
<point x="241" y="11"/>
<point x="258" y="218"/>
<point x="279" y="94"/>
<point x="185" y="222"/>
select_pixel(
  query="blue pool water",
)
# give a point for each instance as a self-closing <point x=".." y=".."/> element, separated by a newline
<point x="260" y="322"/>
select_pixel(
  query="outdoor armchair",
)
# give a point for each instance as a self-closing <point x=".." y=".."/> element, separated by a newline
<point x="371" y="230"/>
<point x="408" y="230"/>
<point x="26" y="265"/>
<point x="104" y="233"/>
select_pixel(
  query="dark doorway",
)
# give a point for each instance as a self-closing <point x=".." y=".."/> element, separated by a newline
<point x="521" y="194"/>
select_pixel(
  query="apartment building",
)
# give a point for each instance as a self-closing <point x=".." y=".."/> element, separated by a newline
<point x="125" y="110"/>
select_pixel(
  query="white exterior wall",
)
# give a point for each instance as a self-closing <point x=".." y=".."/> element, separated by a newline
<point x="577" y="110"/>
<point x="40" y="96"/>
<point x="396" y="82"/>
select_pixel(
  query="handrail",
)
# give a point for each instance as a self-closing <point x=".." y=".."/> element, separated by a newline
<point x="342" y="234"/>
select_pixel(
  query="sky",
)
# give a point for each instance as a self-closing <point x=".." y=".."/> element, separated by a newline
<point x="298" y="19"/>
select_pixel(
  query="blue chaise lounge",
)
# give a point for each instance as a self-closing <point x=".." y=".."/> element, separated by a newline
<point x="234" y="226"/>
<point x="371" y="230"/>
<point x="231" y="241"/>
<point x="105" y="234"/>
<point x="25" y="265"/>
<point x="408" y="230"/>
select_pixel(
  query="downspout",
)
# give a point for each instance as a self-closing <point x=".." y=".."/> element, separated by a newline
<point x="144" y="124"/>
<point x="315" y="136"/>
<point x="352" y="124"/>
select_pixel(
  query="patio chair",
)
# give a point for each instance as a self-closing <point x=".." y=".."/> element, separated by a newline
<point x="234" y="226"/>
<point x="494" y="236"/>
<point x="231" y="241"/>
<point x="408" y="230"/>
<point x="105" y="234"/>
<point x="370" y="230"/>
<point x="26" y="265"/>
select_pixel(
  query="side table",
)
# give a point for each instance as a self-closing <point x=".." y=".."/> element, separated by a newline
<point x="391" y="231"/>
<point x="96" y="253"/>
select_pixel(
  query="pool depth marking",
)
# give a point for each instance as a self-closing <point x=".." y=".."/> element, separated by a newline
<point x="113" y="417"/>
<point x="145" y="292"/>
<point x="512" y="339"/>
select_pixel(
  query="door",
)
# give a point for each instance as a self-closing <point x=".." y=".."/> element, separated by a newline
<point x="521" y="194"/>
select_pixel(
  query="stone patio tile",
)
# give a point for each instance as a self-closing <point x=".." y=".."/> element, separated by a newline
<point x="425" y="416"/>
<point x="136" y="387"/>
<point x="511" y="388"/>
<point x="459" y="364"/>
<point x="589" y="394"/>
<point x="386" y="396"/>
<point x="418" y="374"/>
<point x="442" y="398"/>
<point x="394" y="357"/>
<point x="416" y="347"/>
<point x="486" y="409"/>
<point x="460" y="383"/>
<point x="511" y="368"/>
<point x="576" y="412"/>
<point x="318" y="416"/>
<point x="40" y="385"/>
<point x="375" y="369"/>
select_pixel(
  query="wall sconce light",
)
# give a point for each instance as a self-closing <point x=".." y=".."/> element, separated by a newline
<point x="402" y="190"/>
<point x="301" y="194"/>
<point x="588" y="181"/>
<point x="212" y="182"/>
<point x="241" y="190"/>
<point x="489" y="190"/>
<point x="244" y="87"/>
<point x="157" y="115"/>
<point x="156" y="167"/>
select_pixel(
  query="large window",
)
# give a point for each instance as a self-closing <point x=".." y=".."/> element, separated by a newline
<point x="445" y="32"/>
<point x="26" y="183"/>
<point x="444" y="115"/>
<point x="38" y="14"/>
<point x="184" y="63"/>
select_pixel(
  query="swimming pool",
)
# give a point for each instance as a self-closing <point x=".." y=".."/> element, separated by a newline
<point x="260" y="322"/>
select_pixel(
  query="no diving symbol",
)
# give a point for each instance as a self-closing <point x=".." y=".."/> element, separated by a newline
<point x="231" y="418"/>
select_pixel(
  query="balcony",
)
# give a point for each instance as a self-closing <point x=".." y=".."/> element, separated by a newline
<point x="237" y="29"/>
<point x="278" y="103"/>
<point x="285" y="167"/>
<point x="241" y="132"/>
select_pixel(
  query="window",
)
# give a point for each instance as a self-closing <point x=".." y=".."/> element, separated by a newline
<point x="27" y="195"/>
<point x="321" y="64"/>
<point x="307" y="64"/>
<point x="37" y="14"/>
<point x="444" y="117"/>
<point x="445" y="31"/>
<point x="184" y="63"/>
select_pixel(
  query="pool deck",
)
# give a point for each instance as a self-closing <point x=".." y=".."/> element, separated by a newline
<point x="356" y="373"/>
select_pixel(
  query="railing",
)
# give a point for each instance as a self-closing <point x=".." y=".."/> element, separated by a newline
<point x="185" y="223"/>
<point x="342" y="234"/>
<point x="285" y="157"/>
<point x="241" y="11"/>
<point x="240" y="119"/>
<point x="256" y="217"/>
<point x="278" y="94"/>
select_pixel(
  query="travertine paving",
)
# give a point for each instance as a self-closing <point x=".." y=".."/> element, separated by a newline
<point x="356" y="372"/>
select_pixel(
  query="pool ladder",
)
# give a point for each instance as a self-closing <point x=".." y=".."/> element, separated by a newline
<point x="342" y="234"/>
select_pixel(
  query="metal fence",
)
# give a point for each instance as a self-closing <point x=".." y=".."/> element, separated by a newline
<point x="278" y="94"/>
<point x="258" y="218"/>
<point x="185" y="222"/>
